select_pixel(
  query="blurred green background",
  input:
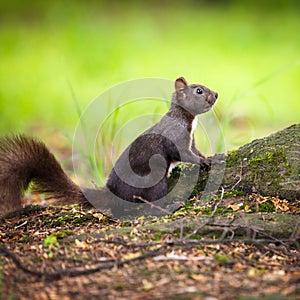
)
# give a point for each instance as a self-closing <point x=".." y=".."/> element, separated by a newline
<point x="53" y="52"/>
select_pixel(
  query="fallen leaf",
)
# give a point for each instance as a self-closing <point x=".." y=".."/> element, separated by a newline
<point x="82" y="245"/>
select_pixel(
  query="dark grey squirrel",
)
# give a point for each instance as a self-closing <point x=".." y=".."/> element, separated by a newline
<point x="139" y="174"/>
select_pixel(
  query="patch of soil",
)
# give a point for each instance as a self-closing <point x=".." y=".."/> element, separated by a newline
<point x="76" y="253"/>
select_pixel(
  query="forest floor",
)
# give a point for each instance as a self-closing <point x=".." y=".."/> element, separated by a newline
<point x="242" y="247"/>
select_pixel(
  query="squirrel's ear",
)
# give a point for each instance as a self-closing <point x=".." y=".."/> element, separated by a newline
<point x="180" y="83"/>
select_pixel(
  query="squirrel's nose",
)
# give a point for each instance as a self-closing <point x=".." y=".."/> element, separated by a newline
<point x="216" y="95"/>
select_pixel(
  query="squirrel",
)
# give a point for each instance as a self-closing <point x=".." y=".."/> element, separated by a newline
<point x="140" y="172"/>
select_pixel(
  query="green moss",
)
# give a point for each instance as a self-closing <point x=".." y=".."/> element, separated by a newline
<point x="188" y="204"/>
<point x="267" y="169"/>
<point x="232" y="158"/>
<point x="220" y="210"/>
<point x="24" y="239"/>
<point x="82" y="219"/>
<point x="269" y="158"/>
<point x="50" y="241"/>
<point x="67" y="218"/>
<point x="63" y="233"/>
<point x="232" y="193"/>
<point x="267" y="206"/>
<point x="221" y="258"/>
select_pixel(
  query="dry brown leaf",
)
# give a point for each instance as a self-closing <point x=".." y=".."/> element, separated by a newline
<point x="82" y="245"/>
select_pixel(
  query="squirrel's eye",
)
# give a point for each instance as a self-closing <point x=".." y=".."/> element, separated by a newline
<point x="199" y="91"/>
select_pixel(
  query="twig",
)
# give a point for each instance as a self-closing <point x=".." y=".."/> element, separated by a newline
<point x="75" y="273"/>
<point x="240" y="177"/>
<point x="20" y="225"/>
<point x="164" y="248"/>
<point x="210" y="217"/>
<point x="152" y="205"/>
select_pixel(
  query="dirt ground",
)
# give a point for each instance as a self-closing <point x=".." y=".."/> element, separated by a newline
<point x="77" y="253"/>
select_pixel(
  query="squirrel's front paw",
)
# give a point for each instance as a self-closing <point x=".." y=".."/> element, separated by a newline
<point x="205" y="163"/>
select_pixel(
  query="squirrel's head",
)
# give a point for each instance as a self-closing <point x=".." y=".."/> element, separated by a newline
<point x="194" y="98"/>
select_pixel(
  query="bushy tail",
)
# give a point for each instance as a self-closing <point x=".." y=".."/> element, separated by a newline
<point x="25" y="161"/>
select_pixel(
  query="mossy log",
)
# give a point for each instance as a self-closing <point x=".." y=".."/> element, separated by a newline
<point x="245" y="226"/>
<point x="269" y="166"/>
